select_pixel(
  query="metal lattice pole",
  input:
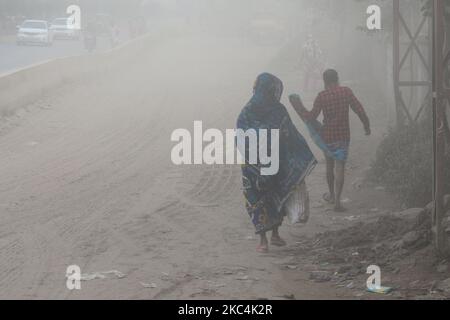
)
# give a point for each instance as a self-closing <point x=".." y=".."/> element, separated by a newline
<point x="404" y="111"/>
<point x="441" y="95"/>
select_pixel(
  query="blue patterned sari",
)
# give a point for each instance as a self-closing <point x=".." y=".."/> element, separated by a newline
<point x="266" y="195"/>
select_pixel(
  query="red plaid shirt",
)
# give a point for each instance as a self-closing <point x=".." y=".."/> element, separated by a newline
<point x="334" y="103"/>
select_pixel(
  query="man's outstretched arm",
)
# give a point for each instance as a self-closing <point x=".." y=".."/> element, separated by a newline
<point x="302" y="111"/>
<point x="360" y="112"/>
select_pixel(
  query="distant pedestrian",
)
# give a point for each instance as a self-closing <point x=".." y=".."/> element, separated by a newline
<point x="312" y="63"/>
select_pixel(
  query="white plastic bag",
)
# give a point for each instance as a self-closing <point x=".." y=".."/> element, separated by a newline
<point x="297" y="205"/>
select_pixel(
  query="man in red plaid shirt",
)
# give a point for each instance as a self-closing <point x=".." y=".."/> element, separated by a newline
<point x="335" y="103"/>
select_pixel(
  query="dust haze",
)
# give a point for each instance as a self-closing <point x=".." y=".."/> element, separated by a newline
<point x="86" y="176"/>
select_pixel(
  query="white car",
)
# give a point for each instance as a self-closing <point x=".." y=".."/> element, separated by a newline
<point x="34" y="31"/>
<point x="62" y="30"/>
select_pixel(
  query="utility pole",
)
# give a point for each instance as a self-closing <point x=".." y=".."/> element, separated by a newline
<point x="441" y="96"/>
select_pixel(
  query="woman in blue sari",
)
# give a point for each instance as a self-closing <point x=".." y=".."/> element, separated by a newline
<point x="266" y="195"/>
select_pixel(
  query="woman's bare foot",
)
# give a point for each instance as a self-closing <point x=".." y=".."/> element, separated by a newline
<point x="263" y="244"/>
<point x="263" y="248"/>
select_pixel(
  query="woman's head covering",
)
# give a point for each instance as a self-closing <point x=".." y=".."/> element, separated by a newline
<point x="267" y="90"/>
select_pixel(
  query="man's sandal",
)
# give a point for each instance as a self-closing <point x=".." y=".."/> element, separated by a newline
<point x="327" y="198"/>
<point x="340" y="209"/>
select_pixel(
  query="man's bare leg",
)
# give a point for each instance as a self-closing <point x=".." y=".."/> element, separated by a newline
<point x="330" y="178"/>
<point x="340" y="178"/>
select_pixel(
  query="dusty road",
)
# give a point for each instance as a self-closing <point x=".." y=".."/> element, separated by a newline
<point x="86" y="179"/>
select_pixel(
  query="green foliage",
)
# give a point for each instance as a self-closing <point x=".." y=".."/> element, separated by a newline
<point x="404" y="164"/>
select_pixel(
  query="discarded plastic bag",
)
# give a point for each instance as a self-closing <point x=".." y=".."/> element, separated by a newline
<point x="149" y="285"/>
<point x="380" y="290"/>
<point x="101" y="275"/>
<point x="92" y="276"/>
<point x="297" y="206"/>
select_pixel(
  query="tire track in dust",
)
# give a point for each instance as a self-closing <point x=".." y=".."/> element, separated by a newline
<point x="205" y="185"/>
<point x="196" y="188"/>
<point x="12" y="257"/>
